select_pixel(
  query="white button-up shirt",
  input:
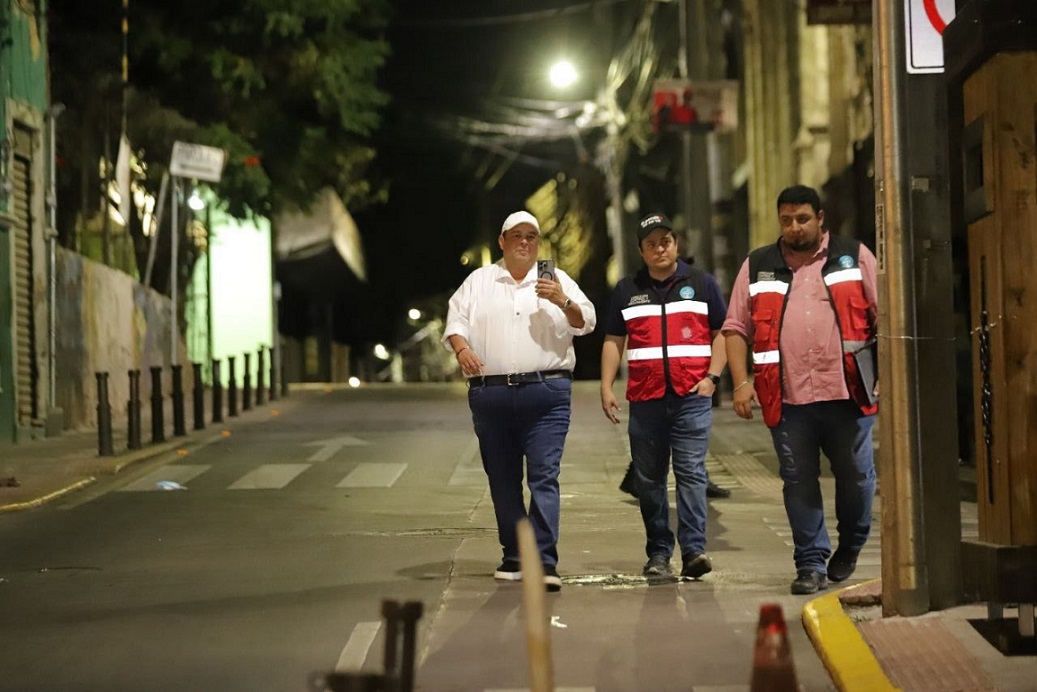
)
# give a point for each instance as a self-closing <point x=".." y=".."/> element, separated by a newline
<point x="510" y="328"/>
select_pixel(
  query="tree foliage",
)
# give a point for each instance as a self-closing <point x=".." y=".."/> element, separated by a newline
<point x="287" y="87"/>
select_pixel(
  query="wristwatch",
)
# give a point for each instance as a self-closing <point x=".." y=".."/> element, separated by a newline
<point x="567" y="303"/>
<point x="714" y="378"/>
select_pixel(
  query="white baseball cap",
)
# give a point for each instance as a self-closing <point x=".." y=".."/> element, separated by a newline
<point x="517" y="218"/>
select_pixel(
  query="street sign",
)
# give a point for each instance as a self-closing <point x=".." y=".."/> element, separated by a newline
<point x="197" y="161"/>
<point x="926" y="20"/>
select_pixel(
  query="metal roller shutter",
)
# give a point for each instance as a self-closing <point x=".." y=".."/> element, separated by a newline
<point x="26" y="375"/>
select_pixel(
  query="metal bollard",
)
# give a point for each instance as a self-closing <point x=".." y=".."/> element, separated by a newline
<point x="259" y="377"/>
<point x="410" y="614"/>
<point x="179" y="427"/>
<point x="199" y="397"/>
<point x="273" y="374"/>
<point x="104" y="417"/>
<point x="246" y="392"/>
<point x="232" y="388"/>
<point x="158" y="424"/>
<point x="217" y="393"/>
<point x="133" y="412"/>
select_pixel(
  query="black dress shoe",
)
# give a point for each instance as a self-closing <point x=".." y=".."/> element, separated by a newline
<point x="809" y="581"/>
<point x="842" y="564"/>
<point x="629" y="483"/>
<point x="714" y="490"/>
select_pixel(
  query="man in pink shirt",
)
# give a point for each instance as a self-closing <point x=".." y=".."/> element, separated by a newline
<point x="807" y="306"/>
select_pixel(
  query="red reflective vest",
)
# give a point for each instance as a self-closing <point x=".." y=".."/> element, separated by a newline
<point x="668" y="337"/>
<point x="770" y="280"/>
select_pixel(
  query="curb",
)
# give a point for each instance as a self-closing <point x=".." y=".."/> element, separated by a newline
<point x="49" y="497"/>
<point x="842" y="649"/>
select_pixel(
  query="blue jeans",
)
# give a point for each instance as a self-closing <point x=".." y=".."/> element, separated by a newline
<point x="657" y="427"/>
<point x="838" y="429"/>
<point x="531" y="421"/>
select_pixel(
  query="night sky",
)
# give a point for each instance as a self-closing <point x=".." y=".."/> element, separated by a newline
<point x="463" y="58"/>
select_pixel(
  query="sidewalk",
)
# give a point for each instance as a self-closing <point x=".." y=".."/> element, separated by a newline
<point x="861" y="649"/>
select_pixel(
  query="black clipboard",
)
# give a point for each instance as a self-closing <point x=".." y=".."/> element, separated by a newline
<point x="867" y="366"/>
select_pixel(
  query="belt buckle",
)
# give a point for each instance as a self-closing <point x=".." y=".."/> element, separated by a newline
<point x="508" y="381"/>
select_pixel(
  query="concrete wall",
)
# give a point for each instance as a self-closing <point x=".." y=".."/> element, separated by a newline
<point x="107" y="322"/>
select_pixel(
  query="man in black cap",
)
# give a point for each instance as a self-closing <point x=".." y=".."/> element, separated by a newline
<point x="667" y="317"/>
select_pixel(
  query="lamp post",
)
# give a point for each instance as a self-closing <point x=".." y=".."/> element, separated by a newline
<point x="562" y="75"/>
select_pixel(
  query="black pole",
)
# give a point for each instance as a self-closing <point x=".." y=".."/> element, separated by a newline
<point x="158" y="433"/>
<point x="133" y="412"/>
<point x="199" y="397"/>
<point x="179" y="426"/>
<point x="259" y="377"/>
<point x="217" y="393"/>
<point x="273" y="374"/>
<point x="104" y="417"/>
<point x="232" y="388"/>
<point x="246" y="394"/>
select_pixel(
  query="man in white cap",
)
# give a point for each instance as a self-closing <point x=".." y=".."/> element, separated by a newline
<point x="512" y="332"/>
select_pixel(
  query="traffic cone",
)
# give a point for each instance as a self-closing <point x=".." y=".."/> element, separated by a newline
<point x="773" y="670"/>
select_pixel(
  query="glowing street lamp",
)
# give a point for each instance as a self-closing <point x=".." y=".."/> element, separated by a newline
<point x="563" y="74"/>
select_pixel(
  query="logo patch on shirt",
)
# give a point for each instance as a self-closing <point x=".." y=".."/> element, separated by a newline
<point x="846" y="262"/>
<point x="639" y="299"/>
<point x="765" y="276"/>
<point x="687" y="292"/>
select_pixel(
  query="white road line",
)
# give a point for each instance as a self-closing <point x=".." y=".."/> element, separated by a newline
<point x="373" y="476"/>
<point x="269" y="476"/>
<point x="329" y="448"/>
<point x="355" y="652"/>
<point x="178" y="473"/>
<point x="469" y="470"/>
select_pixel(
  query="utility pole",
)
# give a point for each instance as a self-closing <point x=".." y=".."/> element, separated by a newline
<point x="693" y="59"/>
<point x="921" y="520"/>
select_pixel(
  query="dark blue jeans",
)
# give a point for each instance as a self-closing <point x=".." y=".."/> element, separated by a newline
<point x="838" y="429"/>
<point x="531" y="421"/>
<point x="657" y="427"/>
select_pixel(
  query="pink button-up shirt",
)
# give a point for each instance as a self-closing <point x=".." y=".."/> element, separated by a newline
<point x="810" y="345"/>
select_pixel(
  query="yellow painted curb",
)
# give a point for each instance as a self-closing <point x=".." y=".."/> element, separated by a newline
<point x="846" y="655"/>
<point x="31" y="504"/>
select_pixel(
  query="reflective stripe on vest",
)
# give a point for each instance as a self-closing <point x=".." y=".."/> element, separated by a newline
<point x="673" y="351"/>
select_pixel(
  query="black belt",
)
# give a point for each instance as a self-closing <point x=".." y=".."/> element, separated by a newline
<point x="519" y="378"/>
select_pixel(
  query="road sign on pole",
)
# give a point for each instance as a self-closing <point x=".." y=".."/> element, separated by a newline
<point x="197" y="161"/>
<point x="924" y="24"/>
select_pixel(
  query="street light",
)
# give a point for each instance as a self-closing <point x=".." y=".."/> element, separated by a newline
<point x="563" y="74"/>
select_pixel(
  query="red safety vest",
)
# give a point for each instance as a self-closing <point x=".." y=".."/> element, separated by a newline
<point x="770" y="280"/>
<point x="668" y="337"/>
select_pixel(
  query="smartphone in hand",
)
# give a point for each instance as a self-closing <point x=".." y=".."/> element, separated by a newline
<point x="546" y="269"/>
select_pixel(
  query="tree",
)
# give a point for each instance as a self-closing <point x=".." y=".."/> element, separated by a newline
<point x="287" y="87"/>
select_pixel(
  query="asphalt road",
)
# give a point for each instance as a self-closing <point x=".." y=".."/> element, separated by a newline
<point x="272" y="561"/>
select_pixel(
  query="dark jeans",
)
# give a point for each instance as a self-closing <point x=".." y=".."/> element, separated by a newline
<point x="679" y="425"/>
<point x="531" y="421"/>
<point x="838" y="429"/>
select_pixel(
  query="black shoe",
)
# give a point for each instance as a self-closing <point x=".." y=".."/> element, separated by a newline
<point x="714" y="490"/>
<point x="696" y="565"/>
<point x="657" y="566"/>
<point x="809" y="581"/>
<point x="509" y="570"/>
<point x="842" y="564"/>
<point x="629" y="483"/>
<point x="552" y="582"/>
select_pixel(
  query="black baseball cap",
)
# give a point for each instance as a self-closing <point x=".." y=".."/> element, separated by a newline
<point x="650" y="223"/>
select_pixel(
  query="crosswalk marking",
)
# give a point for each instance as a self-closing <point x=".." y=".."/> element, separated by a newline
<point x="469" y="470"/>
<point x="368" y="475"/>
<point x="355" y="652"/>
<point x="177" y="473"/>
<point x="269" y="476"/>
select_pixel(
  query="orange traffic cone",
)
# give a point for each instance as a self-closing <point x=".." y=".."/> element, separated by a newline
<point x="772" y="659"/>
